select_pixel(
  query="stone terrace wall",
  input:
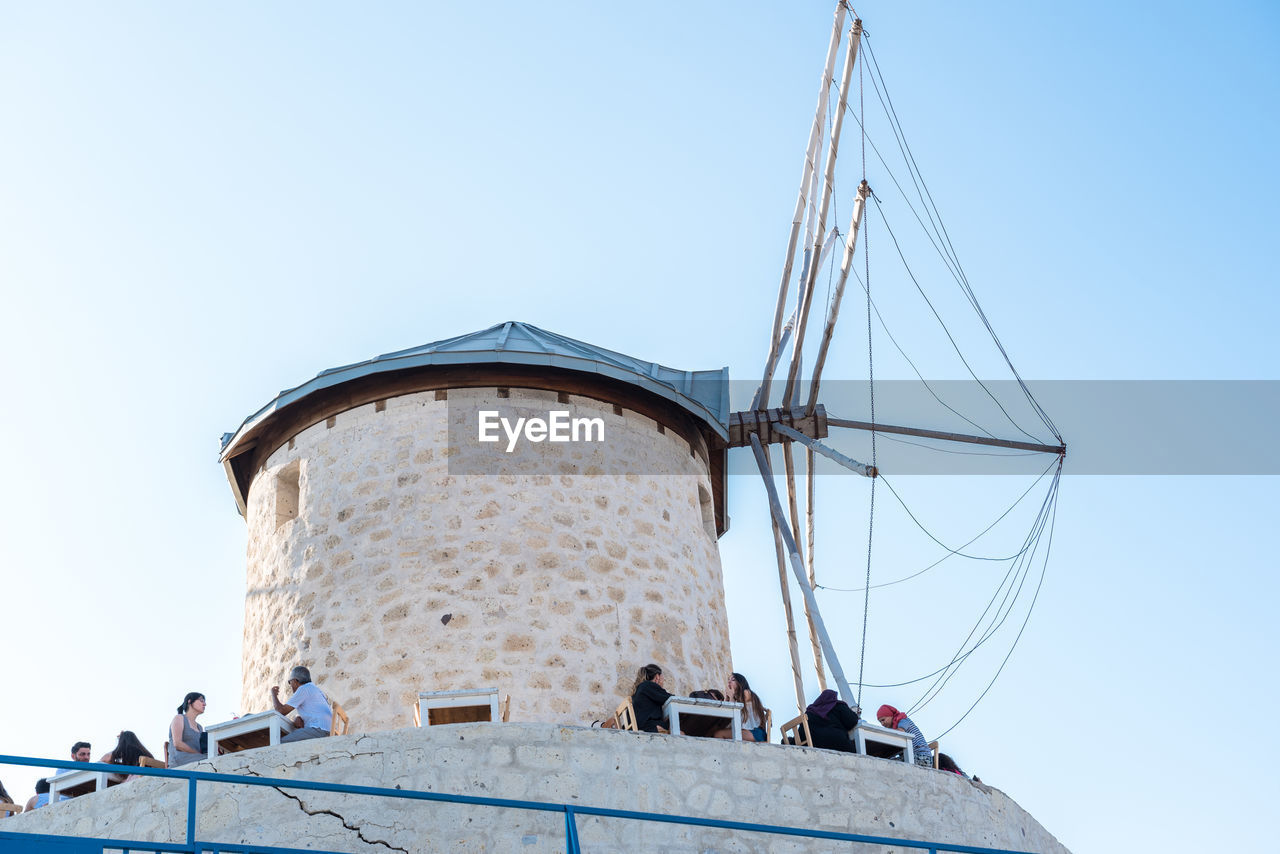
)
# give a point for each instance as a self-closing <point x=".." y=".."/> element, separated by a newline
<point x="387" y="574"/>
<point x="797" y="787"/>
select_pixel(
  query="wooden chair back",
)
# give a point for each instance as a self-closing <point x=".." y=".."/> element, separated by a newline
<point x="933" y="745"/>
<point x="626" y="716"/>
<point x="149" y="762"/>
<point x="798" y="730"/>
<point x="7" y="809"/>
<point x="341" y="723"/>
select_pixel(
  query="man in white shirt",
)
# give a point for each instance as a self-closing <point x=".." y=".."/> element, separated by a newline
<point x="315" y="715"/>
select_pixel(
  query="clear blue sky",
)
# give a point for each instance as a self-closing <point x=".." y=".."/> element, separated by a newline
<point x="205" y="205"/>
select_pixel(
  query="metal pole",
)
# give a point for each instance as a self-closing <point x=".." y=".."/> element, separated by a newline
<point x="775" y="506"/>
<point x="191" y="812"/>
<point x="950" y="437"/>
<point x="571" y="832"/>
<point x="810" y="155"/>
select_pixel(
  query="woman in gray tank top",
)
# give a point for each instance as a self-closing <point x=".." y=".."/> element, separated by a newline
<point x="184" y="732"/>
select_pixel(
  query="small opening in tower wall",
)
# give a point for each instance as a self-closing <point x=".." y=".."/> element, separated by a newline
<point x="708" y="511"/>
<point x="288" y="492"/>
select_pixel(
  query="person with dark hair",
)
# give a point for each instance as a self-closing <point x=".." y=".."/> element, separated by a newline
<point x="41" y="797"/>
<point x="127" y="751"/>
<point x="81" y="751"/>
<point x="830" y="720"/>
<point x="752" y="709"/>
<point x="946" y="763"/>
<point x="185" y="732"/>
<point x="4" y="794"/>
<point x="891" y="718"/>
<point x="648" y="697"/>
<point x="315" y="715"/>
<point x="706" y="726"/>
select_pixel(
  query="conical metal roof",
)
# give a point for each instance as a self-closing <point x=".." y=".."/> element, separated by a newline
<point x="704" y="394"/>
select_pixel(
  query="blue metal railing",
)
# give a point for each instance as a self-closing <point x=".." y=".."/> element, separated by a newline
<point x="572" y="846"/>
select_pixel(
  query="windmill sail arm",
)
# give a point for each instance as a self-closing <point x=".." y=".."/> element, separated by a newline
<point x="806" y="297"/>
<point x="810" y="155"/>
<point x="846" y="263"/>
<point x="829" y="453"/>
<point x="797" y="568"/>
<point x="949" y="437"/>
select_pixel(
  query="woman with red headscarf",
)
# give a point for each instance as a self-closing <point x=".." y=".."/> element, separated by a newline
<point x="891" y="718"/>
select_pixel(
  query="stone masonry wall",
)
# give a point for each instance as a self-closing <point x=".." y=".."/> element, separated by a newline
<point x="708" y="778"/>
<point x="373" y="563"/>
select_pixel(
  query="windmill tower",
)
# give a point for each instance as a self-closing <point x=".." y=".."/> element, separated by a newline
<point x="361" y="495"/>
<point x="393" y="550"/>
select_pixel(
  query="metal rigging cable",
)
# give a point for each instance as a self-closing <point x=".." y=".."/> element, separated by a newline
<point x="1018" y="574"/>
<point x="930" y="535"/>
<point x="951" y="554"/>
<point x="962" y="278"/>
<point x="943" y="324"/>
<point x="958" y="658"/>
<point x="1025" y="620"/>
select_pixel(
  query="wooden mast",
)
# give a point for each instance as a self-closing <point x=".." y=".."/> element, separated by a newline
<point x="760" y="425"/>
<point x="810" y="155"/>
<point x="775" y="339"/>
<point x="805" y="298"/>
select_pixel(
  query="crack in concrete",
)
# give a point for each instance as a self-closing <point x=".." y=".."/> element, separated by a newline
<point x="352" y="827"/>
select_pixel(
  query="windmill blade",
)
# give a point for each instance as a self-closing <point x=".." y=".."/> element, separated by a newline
<point x="775" y="507"/>
<point x="846" y="264"/>
<point x="810" y="156"/>
<point x="806" y="300"/>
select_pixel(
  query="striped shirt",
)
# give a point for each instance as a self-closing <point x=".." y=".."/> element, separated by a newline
<point x="918" y="744"/>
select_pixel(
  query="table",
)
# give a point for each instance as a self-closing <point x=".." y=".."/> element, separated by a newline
<point x="75" y="783"/>
<point x="248" y="732"/>
<point x="467" y="705"/>
<point x="886" y="742"/>
<point x="697" y="706"/>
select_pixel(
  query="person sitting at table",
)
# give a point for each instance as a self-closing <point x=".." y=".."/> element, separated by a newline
<point x="706" y="726"/>
<point x="315" y="715"/>
<point x="647" y="699"/>
<point x="41" y="797"/>
<point x="752" y="709"/>
<point x="891" y="718"/>
<point x="81" y="751"/>
<point x="127" y="751"/>
<point x="830" y="720"/>
<point x="185" y="732"/>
